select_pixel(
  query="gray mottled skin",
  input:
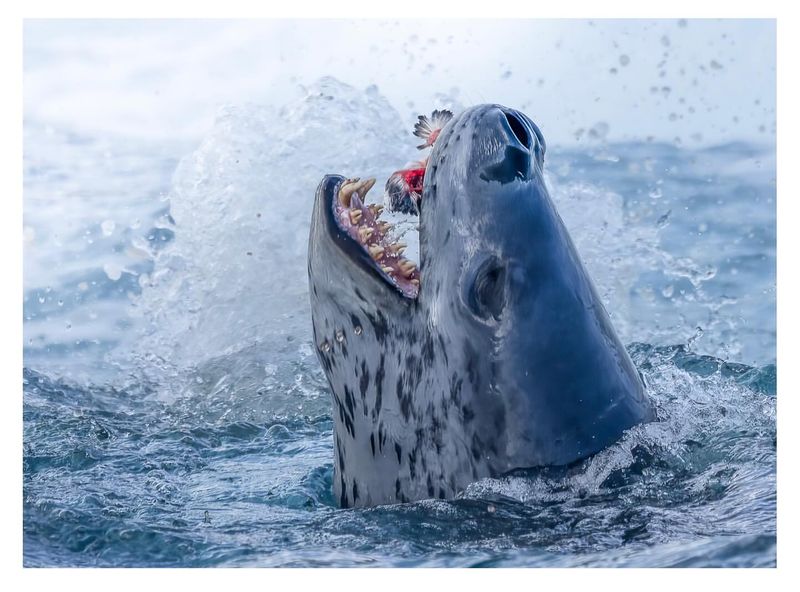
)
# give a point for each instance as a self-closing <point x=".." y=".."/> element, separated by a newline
<point x="507" y="358"/>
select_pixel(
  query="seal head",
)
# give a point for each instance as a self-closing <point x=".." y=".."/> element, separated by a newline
<point x="504" y="357"/>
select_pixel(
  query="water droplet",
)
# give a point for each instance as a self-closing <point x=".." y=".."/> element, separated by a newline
<point x="108" y="227"/>
<point x="340" y="336"/>
<point x="325" y="346"/>
<point x="113" y="271"/>
<point x="624" y="60"/>
<point x="656" y="193"/>
<point x="358" y="330"/>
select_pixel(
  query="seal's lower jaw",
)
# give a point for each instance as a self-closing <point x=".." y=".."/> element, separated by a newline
<point x="362" y="224"/>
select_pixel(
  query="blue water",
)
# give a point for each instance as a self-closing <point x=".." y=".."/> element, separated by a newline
<point x="175" y="414"/>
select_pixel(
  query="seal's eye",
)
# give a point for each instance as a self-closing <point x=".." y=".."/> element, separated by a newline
<point x="485" y="293"/>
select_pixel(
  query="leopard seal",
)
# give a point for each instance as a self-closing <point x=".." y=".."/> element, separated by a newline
<point x="495" y="354"/>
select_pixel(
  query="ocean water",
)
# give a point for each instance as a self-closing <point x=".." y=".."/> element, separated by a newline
<point x="175" y="413"/>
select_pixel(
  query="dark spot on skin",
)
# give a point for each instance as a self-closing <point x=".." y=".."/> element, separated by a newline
<point x="339" y="457"/>
<point x="379" y="387"/>
<point x="379" y="325"/>
<point x="372" y="443"/>
<point x="476" y="448"/>
<point x="381" y="437"/>
<point x="455" y="388"/>
<point x="428" y="350"/>
<point x="412" y="464"/>
<point x="398" y="451"/>
<point x="363" y="384"/>
<point x="414" y="368"/>
<point x="471" y="357"/>
<point x="441" y="493"/>
<point x="397" y="488"/>
<point x="355" y="492"/>
<point x="349" y="400"/>
<point x="441" y="341"/>
<point x="404" y="399"/>
<point x="430" y="487"/>
<point x="343" y="496"/>
<point x="325" y="360"/>
<point x="467" y="413"/>
<point x="360" y="295"/>
<point x="344" y="417"/>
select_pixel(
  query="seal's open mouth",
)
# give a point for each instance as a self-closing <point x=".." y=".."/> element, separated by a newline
<point x="362" y="223"/>
<point x="403" y="195"/>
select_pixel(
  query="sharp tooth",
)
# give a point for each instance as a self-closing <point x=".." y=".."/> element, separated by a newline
<point x="384" y="227"/>
<point x="376" y="209"/>
<point x="387" y="270"/>
<point x="366" y="186"/>
<point x="365" y="233"/>
<point x="349" y="186"/>
<point x="408" y="268"/>
<point x="376" y="251"/>
<point x="399" y="248"/>
<point x="345" y="192"/>
<point x="415" y="281"/>
<point x="355" y="216"/>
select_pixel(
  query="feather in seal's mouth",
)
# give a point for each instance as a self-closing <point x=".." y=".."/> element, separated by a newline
<point x="363" y="224"/>
<point x="403" y="194"/>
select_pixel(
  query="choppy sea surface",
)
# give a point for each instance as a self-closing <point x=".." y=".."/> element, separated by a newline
<point x="175" y="414"/>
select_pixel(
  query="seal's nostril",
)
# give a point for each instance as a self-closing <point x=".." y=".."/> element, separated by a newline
<point x="519" y="129"/>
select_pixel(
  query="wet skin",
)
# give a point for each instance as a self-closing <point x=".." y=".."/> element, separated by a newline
<point x="505" y="359"/>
